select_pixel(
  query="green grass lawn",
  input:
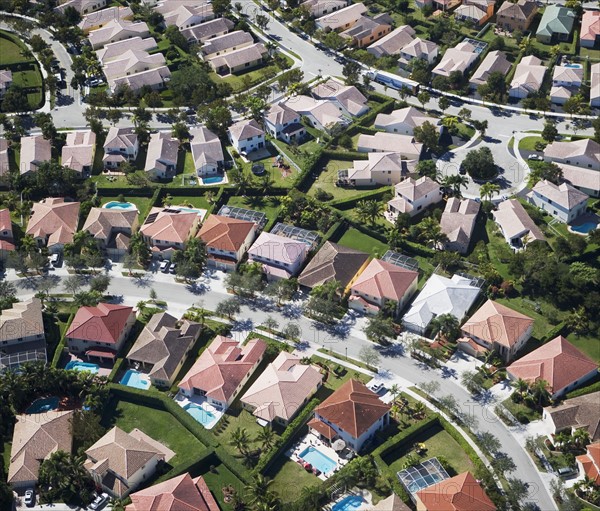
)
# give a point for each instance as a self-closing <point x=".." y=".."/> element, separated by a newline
<point x="520" y="411"/>
<point x="27" y="79"/>
<point x="528" y="143"/>
<point x="541" y="324"/>
<point x="268" y="205"/>
<point x="246" y="80"/>
<point x="10" y="51"/>
<point x="289" y="478"/>
<point x="353" y="238"/>
<point x="217" y="479"/>
<point x="6" y="455"/>
<point x="329" y="176"/>
<point x="142" y="203"/>
<point x="277" y="175"/>
<point x="588" y="344"/>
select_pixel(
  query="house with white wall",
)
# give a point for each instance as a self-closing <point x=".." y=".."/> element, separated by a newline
<point x="246" y="136"/>
<point x="563" y="202"/>
<point x="413" y="196"/>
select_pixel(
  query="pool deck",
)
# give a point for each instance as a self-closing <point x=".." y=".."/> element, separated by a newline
<point x="103" y="371"/>
<point x="364" y="494"/>
<point x="584" y="219"/>
<point x="223" y="181"/>
<point x="311" y="440"/>
<point x="183" y="400"/>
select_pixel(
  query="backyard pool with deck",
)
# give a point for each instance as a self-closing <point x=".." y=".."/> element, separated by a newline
<point x="318" y="460"/>
<point x="348" y="503"/>
<point x="42" y="405"/>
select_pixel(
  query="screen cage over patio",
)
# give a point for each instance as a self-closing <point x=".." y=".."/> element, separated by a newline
<point x="311" y="238"/>
<point x="400" y="260"/>
<point x="259" y="218"/>
<point x="422" y="475"/>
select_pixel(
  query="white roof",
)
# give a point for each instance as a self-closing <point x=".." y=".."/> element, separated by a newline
<point x="568" y="74"/>
<point x="278" y="249"/>
<point x="458" y="58"/>
<point x="392" y="43"/>
<point x="529" y="74"/>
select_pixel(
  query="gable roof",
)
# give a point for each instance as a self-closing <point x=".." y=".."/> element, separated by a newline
<point x="558" y="362"/>
<point x="208" y="29"/>
<point x="4" y="161"/>
<point x="459" y="493"/>
<point x="225" y="233"/>
<point x="101" y="222"/>
<point x="564" y="194"/>
<point x="520" y="10"/>
<point x="405" y="145"/>
<point x="103" y="323"/>
<point x="54" y="218"/>
<point x="515" y="221"/>
<point x="581" y="178"/>
<point x="578" y="412"/>
<point x="162" y="151"/>
<point x="117" y="28"/>
<point x="78" y="152"/>
<point x="563" y="150"/>
<point x="115" y="50"/>
<point x="392" y="43"/>
<point x="241" y="56"/>
<point x="206" y="147"/>
<point x="169" y="225"/>
<point x="409" y="116"/>
<point x="590" y="26"/>
<point x="381" y="162"/>
<point x="226" y="42"/>
<point x="385" y="280"/>
<point x="341" y="17"/>
<point x="556" y="20"/>
<point x="494" y="62"/>
<point x="35" y="150"/>
<point x="245" y="129"/>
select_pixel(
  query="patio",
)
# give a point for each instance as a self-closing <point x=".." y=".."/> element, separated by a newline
<point x="105" y="366"/>
<point x="203" y="412"/>
<point x="310" y="440"/>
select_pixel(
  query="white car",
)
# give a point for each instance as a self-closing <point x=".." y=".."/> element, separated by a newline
<point x="29" y="499"/>
<point x="535" y="157"/>
<point x="376" y="387"/>
<point x="164" y="266"/>
<point x="99" y="502"/>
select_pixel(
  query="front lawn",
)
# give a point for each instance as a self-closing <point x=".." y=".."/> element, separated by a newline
<point x="521" y="412"/>
<point x="528" y="143"/>
<point x="354" y="238"/>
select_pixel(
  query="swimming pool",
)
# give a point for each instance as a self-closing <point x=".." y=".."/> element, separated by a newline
<point x="119" y="205"/>
<point x="43" y="405"/>
<point x="318" y="460"/>
<point x="348" y="503"/>
<point x="574" y="66"/>
<point x="135" y="379"/>
<point x="76" y="365"/>
<point x="204" y="417"/>
<point x="584" y="228"/>
<point x="212" y="180"/>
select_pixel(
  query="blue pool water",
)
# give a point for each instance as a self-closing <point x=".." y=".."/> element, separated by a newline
<point x="189" y="210"/>
<point x="573" y="66"/>
<point x="212" y="180"/>
<point x="318" y="460"/>
<point x="43" y="405"/>
<point x="348" y="503"/>
<point x="75" y="365"/>
<point x="135" y="379"/>
<point x="584" y="228"/>
<point x="203" y="416"/>
<point x="119" y="205"/>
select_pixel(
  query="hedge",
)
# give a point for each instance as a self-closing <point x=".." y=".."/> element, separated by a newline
<point x="344" y="155"/>
<point x="188" y="466"/>
<point x="405" y="435"/>
<point x="234" y="466"/>
<point x="115" y="369"/>
<point x="555" y="332"/>
<point x="349" y="203"/>
<point x="61" y="344"/>
<point x="592" y="387"/>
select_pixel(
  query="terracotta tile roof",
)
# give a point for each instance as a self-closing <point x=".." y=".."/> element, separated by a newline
<point x="23" y="319"/>
<point x="578" y="412"/>
<point x="322" y="428"/>
<point x="6" y="241"/>
<point x="558" y="362"/>
<point x="222" y="366"/>
<point x="384" y="280"/>
<point x="590" y="26"/>
<point x="564" y="195"/>
<point x="459" y="493"/>
<point x="101" y="222"/>
<point x="103" y="323"/>
<point x="224" y="233"/>
<point x="34" y="151"/>
<point x="353" y="408"/>
<point x="54" y="218"/>
<point x="590" y="467"/>
<point x="172" y="226"/>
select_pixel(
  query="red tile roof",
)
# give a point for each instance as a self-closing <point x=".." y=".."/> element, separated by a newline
<point x="591" y="462"/>
<point x="384" y="280"/>
<point x="103" y="323"/>
<point x="224" y="233"/>
<point x="459" y="493"/>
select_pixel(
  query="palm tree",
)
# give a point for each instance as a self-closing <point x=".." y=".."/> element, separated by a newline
<point x="368" y="210"/>
<point x="521" y="386"/>
<point x="488" y="190"/>
<point x="266" y="437"/>
<point x="456" y="182"/>
<point x="418" y="410"/>
<point x="431" y="232"/>
<point x="270" y="324"/>
<point x="395" y="391"/>
<point x="240" y="439"/>
<point x="446" y="325"/>
<point x="258" y="489"/>
<point x="311" y="496"/>
<point x="581" y="437"/>
<point x="539" y="390"/>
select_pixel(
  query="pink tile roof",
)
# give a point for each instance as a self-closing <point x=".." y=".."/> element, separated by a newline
<point x="459" y="493"/>
<point x="173" y="226"/>
<point x="103" y="323"/>
<point x="384" y="280"/>
<point x="590" y="26"/>
<point x="54" y="218"/>
<point x="224" y="233"/>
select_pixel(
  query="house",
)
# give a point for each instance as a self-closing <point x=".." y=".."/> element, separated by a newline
<point x="35" y="438"/>
<point x="112" y="229"/>
<point x="381" y="283"/>
<point x="342" y="19"/>
<point x="114" y="51"/>
<point x="403" y="121"/>
<point x="121" y="145"/>
<point x="282" y="389"/>
<point x="516" y="16"/>
<point x="163" y="346"/>
<point x="494" y="62"/>
<point x="378" y="169"/>
<point x="185" y="14"/>
<point x="101" y="18"/>
<point x="6" y="80"/>
<point x="239" y="60"/>
<point x="117" y="30"/>
<point x="227" y="240"/>
<point x="566" y="81"/>
<point x="35" y="150"/>
<point x="100" y="331"/>
<point x="206" y="31"/>
<point x="81" y="6"/>
<point x="516" y="225"/>
<point x="7" y="239"/>
<point x="181" y="493"/>
<point x="22" y="335"/>
<point x="53" y="222"/>
<point x="281" y="257"/>
<point x="222" y="370"/>
<point x="207" y="152"/>
<point x="557" y="362"/>
<point x="580" y="412"/>
<point x="4" y="160"/>
<point x="119" y="462"/>
<point x="419" y="49"/>
<point x="320" y="113"/>
<point x="556" y="24"/>
<point x="333" y="262"/>
<point x="589" y="36"/>
<point x="585" y="180"/>
<point x="440" y="295"/>
<point x="283" y="123"/>
<point x="391" y="503"/>
<point x="563" y="202"/>
<point x="460" y="58"/>
<point x="246" y="136"/>
<point x="136" y="69"/>
<point x="318" y="8"/>
<point x="367" y="30"/>
<point x="459" y="493"/>
<point x="392" y="43"/>
<point x="595" y="85"/>
<point x="457" y="223"/>
<point x="528" y="77"/>
<point x="413" y="196"/>
<point x="161" y="160"/>
<point x="386" y="142"/>
<point x="350" y="101"/>
<point x="78" y="152"/>
<point x="226" y="43"/>
<point x="353" y="413"/>
<point x="475" y="11"/>
<point x="166" y="230"/>
<point x="589" y="463"/>
<point x="499" y="328"/>
<point x="581" y="153"/>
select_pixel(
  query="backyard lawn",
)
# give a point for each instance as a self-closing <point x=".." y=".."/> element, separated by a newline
<point x="189" y="200"/>
<point x="267" y="205"/>
<point x="353" y="238"/>
<point x="142" y="203"/>
<point x="217" y="478"/>
<point x="281" y="177"/>
<point x="289" y="478"/>
<point x="329" y="176"/>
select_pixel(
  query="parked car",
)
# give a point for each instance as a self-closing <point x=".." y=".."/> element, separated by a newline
<point x="29" y="497"/>
<point x="536" y="157"/>
<point x="376" y="387"/>
<point x="99" y="502"/>
<point x="55" y="260"/>
<point x="164" y="266"/>
<point x="173" y="268"/>
<point x="566" y="471"/>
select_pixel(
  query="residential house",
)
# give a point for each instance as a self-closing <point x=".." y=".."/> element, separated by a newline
<point x="320" y="113"/>
<point x="353" y="413"/>
<point x="458" y="222"/>
<point x="413" y="196"/>
<point x="392" y="43"/>
<point x="528" y="77"/>
<point x="382" y="283"/>
<point x="391" y="503"/>
<point x="566" y="81"/>
<point x="475" y="11"/>
<point x="207" y="152"/>
<point x="166" y="230"/>
<point x="580" y="412"/>
<point x="516" y="225"/>
<point x="4" y="160"/>
<point x="161" y="160"/>
<point x="206" y="31"/>
<point x="459" y="493"/>
<point x="342" y="19"/>
<point x="282" y="389"/>
<point x="119" y="462"/>
<point x="557" y="362"/>
<point x="35" y="438"/>
<point x="163" y="346"/>
<point x="181" y="493"/>
<point x="281" y="257"/>
<point x="117" y="30"/>
<point x="78" y="152"/>
<point x="6" y="80"/>
<point x="347" y="98"/>
<point x="460" y="58"/>
<point x="563" y="202"/>
<point x="589" y="36"/>
<point x="101" y="18"/>
<point x="556" y="24"/>
<point x="100" y="331"/>
<point x="35" y="150"/>
<point x="284" y="124"/>
<point x="516" y="16"/>
<point x="222" y="370"/>
<point x="440" y="295"/>
<point x="185" y="14"/>
<point x="246" y="136"/>
<point x="499" y="328"/>
<point x="318" y="8"/>
<point x="333" y="262"/>
<point x="53" y="222"/>
<point x="81" y="6"/>
<point x="22" y="335"/>
<point x="7" y="239"/>
<point x="112" y="229"/>
<point x="116" y="50"/>
<point x="589" y="463"/>
<point x="227" y="240"/>
<point x="226" y="43"/>
<point x="386" y="142"/>
<point x="585" y="180"/>
<point x="378" y="169"/>
<point x="404" y="121"/>
<point x="419" y="49"/>
<point x="595" y="85"/>
<point x="240" y="60"/>
<point x="137" y="69"/>
<point x="494" y="62"/>
<point x="367" y="30"/>
<point x="581" y="153"/>
<point x="120" y="145"/>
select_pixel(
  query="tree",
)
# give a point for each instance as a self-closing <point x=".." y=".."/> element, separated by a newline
<point x="8" y="294"/>
<point x="63" y="477"/>
<point x="261" y="21"/>
<point x="368" y="210"/>
<point x="380" y="329"/>
<point x="465" y="113"/>
<point x="428" y="134"/>
<point x="427" y="168"/>
<point x="479" y="164"/>
<point x="266" y="437"/>
<point x="191" y="260"/>
<point x="494" y="89"/>
<point x="221" y="7"/>
<point x="100" y="283"/>
<point x="544" y="170"/>
<point x="539" y="390"/>
<point x="431" y="232"/>
<point x="257" y="492"/>
<point x="516" y="491"/>
<point x="550" y="132"/>
<point x="270" y="324"/>
<point x="429" y="387"/>
<point x="446" y="325"/>
<point x="369" y="356"/>
<point x="351" y="72"/>
<point x="596" y="126"/>
<point x="473" y="381"/>
<point x="480" y="126"/>
<point x="282" y="289"/>
<point x="292" y="331"/>
<point x="423" y="97"/>
<point x="228" y="307"/>
<point x="443" y="103"/>
<point x="334" y="40"/>
<point x="240" y="439"/>
<point x="72" y="284"/>
<point x="488" y="190"/>
<point x="15" y="100"/>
